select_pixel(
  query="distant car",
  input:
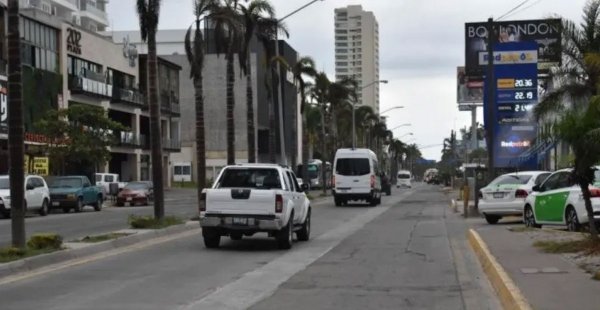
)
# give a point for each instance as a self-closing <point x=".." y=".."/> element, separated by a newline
<point x="505" y="195"/>
<point x="386" y="185"/>
<point x="136" y="193"/>
<point x="37" y="196"/>
<point x="356" y="177"/>
<point x="558" y="201"/>
<point x="74" y="193"/>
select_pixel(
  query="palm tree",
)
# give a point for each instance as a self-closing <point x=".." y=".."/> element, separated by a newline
<point x="228" y="38"/>
<point x="365" y="116"/>
<point x="148" y="12"/>
<point x="194" y="49"/>
<point x="320" y="93"/>
<point x="15" y="127"/>
<point x="304" y="67"/>
<point x="253" y="17"/>
<point x="572" y="101"/>
<point x="313" y="127"/>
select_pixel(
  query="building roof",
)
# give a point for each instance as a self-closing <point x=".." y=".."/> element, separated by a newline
<point x="162" y="36"/>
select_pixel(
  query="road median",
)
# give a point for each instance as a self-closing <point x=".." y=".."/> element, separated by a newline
<point x="508" y="293"/>
<point x="80" y="250"/>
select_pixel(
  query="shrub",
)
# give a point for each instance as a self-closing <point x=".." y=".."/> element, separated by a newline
<point x="12" y="252"/>
<point x="149" y="222"/>
<point x="45" y="241"/>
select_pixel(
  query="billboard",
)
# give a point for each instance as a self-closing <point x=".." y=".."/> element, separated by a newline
<point x="545" y="32"/>
<point x="516" y="94"/>
<point x="469" y="89"/>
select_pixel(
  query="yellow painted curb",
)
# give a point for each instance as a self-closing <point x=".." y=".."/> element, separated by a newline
<point x="508" y="293"/>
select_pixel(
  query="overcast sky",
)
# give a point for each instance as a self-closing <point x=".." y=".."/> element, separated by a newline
<point x="421" y="43"/>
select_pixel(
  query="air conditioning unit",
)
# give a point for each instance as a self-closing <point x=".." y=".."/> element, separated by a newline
<point x="77" y="20"/>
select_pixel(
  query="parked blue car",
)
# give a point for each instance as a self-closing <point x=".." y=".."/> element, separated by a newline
<point x="74" y="192"/>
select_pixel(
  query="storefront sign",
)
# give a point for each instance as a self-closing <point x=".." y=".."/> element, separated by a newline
<point x="73" y="41"/>
<point x="39" y="165"/>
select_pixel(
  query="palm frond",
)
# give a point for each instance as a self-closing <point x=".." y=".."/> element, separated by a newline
<point x="142" y="11"/>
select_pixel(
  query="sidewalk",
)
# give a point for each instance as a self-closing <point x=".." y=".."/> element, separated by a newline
<point x="547" y="281"/>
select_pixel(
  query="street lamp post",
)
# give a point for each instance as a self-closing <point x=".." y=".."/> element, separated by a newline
<point x="354" y="111"/>
<point x="280" y="86"/>
<point x="404" y="135"/>
<point x="403" y="125"/>
<point x="392" y="108"/>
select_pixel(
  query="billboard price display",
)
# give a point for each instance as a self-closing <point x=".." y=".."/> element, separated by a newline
<point x="545" y="32"/>
<point x="516" y="89"/>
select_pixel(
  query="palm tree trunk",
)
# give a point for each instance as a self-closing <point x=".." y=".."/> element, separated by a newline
<point x="324" y="152"/>
<point x="272" y="125"/>
<point x="155" y="128"/>
<point x="250" y="116"/>
<point x="305" y="150"/>
<point x="15" y="128"/>
<point x="200" y="136"/>
<point x="585" y="190"/>
<point x="230" y="107"/>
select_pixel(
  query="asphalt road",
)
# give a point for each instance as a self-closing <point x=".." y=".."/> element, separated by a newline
<point x="178" y="202"/>
<point x="409" y="253"/>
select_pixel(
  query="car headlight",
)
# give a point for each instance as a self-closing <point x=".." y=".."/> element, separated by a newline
<point x="71" y="196"/>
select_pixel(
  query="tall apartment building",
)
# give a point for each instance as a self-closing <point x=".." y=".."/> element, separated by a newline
<point x="357" y="51"/>
<point x="88" y="14"/>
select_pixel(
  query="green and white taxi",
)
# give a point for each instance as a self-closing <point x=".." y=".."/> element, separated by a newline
<point x="558" y="201"/>
<point x="505" y="195"/>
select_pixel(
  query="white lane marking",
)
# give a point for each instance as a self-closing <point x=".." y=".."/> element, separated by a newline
<point x="261" y="283"/>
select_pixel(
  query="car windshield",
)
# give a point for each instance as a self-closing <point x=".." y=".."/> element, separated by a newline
<point x="352" y="166"/>
<point x="4" y="183"/>
<point x="403" y="176"/>
<point x="137" y="185"/>
<point x="511" y="179"/>
<point x="65" y="183"/>
<point x="260" y="178"/>
<point x="98" y="178"/>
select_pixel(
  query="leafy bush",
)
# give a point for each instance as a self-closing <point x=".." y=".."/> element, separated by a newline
<point x="149" y="222"/>
<point x="45" y="241"/>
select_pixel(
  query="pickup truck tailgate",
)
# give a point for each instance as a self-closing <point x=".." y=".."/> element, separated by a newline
<point x="240" y="201"/>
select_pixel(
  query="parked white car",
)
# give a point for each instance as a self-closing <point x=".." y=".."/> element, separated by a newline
<point x="505" y="195"/>
<point x="252" y="198"/>
<point x="105" y="179"/>
<point x="37" y="195"/>
<point x="404" y="179"/>
<point x="558" y="201"/>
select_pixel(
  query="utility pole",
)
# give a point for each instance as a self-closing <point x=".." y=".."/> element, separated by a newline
<point x="491" y="100"/>
<point x="474" y="137"/>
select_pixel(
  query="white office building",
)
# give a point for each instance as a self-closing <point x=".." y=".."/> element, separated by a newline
<point x="88" y="14"/>
<point x="357" y="51"/>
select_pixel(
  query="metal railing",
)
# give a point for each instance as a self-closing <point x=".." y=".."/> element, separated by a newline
<point x="128" y="96"/>
<point x="79" y="84"/>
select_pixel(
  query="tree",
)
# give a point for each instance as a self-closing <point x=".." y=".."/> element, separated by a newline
<point x="305" y="67"/>
<point x="228" y="30"/>
<point x="78" y="137"/>
<point x="252" y="16"/>
<point x="320" y="93"/>
<point x="573" y="104"/>
<point x="194" y="49"/>
<point x="148" y="12"/>
<point x="15" y="127"/>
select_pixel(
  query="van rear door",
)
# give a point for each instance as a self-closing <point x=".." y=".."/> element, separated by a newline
<point x="353" y="175"/>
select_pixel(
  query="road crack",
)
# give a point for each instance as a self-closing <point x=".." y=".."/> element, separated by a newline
<point x="407" y="249"/>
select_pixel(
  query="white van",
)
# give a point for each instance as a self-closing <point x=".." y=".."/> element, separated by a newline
<point x="403" y="179"/>
<point x="356" y="176"/>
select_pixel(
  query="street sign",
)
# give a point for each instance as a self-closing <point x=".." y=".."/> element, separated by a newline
<point x="516" y="90"/>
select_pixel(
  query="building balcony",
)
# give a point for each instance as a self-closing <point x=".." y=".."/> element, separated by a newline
<point x="171" y="145"/>
<point x="129" y="139"/>
<point x="82" y="85"/>
<point x="89" y="10"/>
<point x="71" y="5"/>
<point x="128" y="96"/>
<point x="169" y="103"/>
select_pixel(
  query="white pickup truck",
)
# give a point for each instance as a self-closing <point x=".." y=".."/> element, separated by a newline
<point x="252" y="198"/>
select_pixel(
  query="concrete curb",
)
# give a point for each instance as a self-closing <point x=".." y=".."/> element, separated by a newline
<point x="507" y="291"/>
<point x="63" y="256"/>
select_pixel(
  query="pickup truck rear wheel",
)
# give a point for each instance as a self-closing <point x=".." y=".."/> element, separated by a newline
<point x="304" y="233"/>
<point x="212" y="238"/>
<point x="79" y="205"/>
<point x="98" y="203"/>
<point x="286" y="235"/>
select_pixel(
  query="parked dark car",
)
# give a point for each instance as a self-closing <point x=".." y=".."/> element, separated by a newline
<point x="136" y="193"/>
<point x="386" y="184"/>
